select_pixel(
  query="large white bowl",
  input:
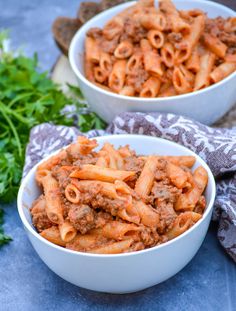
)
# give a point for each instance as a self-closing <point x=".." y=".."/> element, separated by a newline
<point x="129" y="272"/>
<point x="206" y="106"/>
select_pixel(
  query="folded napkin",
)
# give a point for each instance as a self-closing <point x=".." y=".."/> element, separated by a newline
<point x="217" y="146"/>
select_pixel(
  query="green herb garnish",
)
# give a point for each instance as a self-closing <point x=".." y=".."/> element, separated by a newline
<point x="4" y="239"/>
<point x="27" y="98"/>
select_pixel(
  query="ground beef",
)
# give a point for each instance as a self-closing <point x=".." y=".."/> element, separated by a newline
<point x="133" y="30"/>
<point x="39" y="215"/>
<point x="133" y="164"/>
<point x="167" y="216"/>
<point x="137" y="78"/>
<point x="95" y="33"/>
<point x="164" y="192"/>
<point x="82" y="217"/>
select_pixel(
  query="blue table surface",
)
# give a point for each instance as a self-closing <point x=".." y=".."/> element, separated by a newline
<point x="208" y="282"/>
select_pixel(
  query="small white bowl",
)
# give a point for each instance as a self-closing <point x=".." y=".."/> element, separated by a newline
<point x="121" y="273"/>
<point x="206" y="106"/>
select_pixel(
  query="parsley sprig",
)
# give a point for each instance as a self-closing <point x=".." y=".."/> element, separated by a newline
<point x="28" y="97"/>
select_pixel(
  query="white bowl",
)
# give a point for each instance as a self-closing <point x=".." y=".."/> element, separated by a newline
<point x="128" y="272"/>
<point x="206" y="106"/>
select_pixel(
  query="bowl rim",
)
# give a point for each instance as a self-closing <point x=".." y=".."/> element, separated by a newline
<point x="31" y="229"/>
<point x="73" y="54"/>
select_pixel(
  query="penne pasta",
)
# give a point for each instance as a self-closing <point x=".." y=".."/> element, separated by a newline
<point x="124" y="50"/>
<point x="190" y="41"/>
<point x="148" y="215"/>
<point x="119" y="231"/>
<point x="203" y="76"/>
<point x="134" y="63"/>
<point x="99" y="74"/>
<point x="113" y="28"/>
<point x="145" y="181"/>
<point x="188" y="200"/>
<point x="101" y="173"/>
<point x="153" y="21"/>
<point x="105" y="63"/>
<point x="177" y="175"/>
<point x="151" y="87"/>
<point x="67" y="231"/>
<point x="127" y="91"/>
<point x="181" y="82"/>
<point x="92" y="54"/>
<point x="52" y="234"/>
<point x="193" y="63"/>
<point x="215" y="45"/>
<point x="114" y="248"/>
<point x="53" y="207"/>
<point x="168" y="55"/>
<point x="222" y="71"/>
<point x="116" y="79"/>
<point x="156" y="38"/>
<point x="182" y="223"/>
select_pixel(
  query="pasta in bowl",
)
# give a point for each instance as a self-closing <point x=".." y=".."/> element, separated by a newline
<point x="109" y="215"/>
<point x="171" y="58"/>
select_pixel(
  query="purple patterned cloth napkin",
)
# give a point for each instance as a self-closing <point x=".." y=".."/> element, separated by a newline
<point x="217" y="146"/>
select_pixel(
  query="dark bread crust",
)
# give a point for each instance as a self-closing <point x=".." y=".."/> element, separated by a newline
<point x="63" y="29"/>
<point x="87" y="10"/>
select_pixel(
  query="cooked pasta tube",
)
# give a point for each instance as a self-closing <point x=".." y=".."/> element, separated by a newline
<point x="119" y="230"/>
<point x="52" y="194"/>
<point x="177" y="175"/>
<point x="134" y="62"/>
<point x="88" y="70"/>
<point x="84" y="242"/>
<point x="156" y="38"/>
<point x="145" y="181"/>
<point x="103" y="161"/>
<point x="168" y="54"/>
<point x="105" y="62"/>
<point x="40" y="174"/>
<point x="52" y="234"/>
<point x="127" y="91"/>
<point x="113" y="28"/>
<point x="191" y="40"/>
<point x="188" y="200"/>
<point x="83" y="146"/>
<point x="180" y="81"/>
<point x="193" y="63"/>
<point x="152" y="64"/>
<point x="92" y="49"/>
<point x="53" y="161"/>
<point x="187" y="161"/>
<point x="124" y="50"/>
<point x="215" y="45"/>
<point x="116" y="79"/>
<point x="128" y="211"/>
<point x="99" y="74"/>
<point x="177" y="23"/>
<point x="203" y="76"/>
<point x="67" y="231"/>
<point x="101" y="173"/>
<point x="182" y="223"/>
<point x="148" y="215"/>
<point x="153" y="21"/>
<point x="222" y="71"/>
<point x="72" y="194"/>
<point x="151" y="87"/>
<point x="105" y="188"/>
<point x="114" y="155"/>
<point x="114" y="248"/>
<point x="230" y="58"/>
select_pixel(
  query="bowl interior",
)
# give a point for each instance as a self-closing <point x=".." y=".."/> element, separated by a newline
<point x="76" y="53"/>
<point x="144" y="145"/>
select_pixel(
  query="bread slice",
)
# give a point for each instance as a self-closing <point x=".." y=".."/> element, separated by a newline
<point x="63" y="29"/>
<point x="88" y="10"/>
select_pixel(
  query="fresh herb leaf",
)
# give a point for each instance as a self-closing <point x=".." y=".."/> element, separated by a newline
<point x="27" y="98"/>
<point x="4" y="239"/>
